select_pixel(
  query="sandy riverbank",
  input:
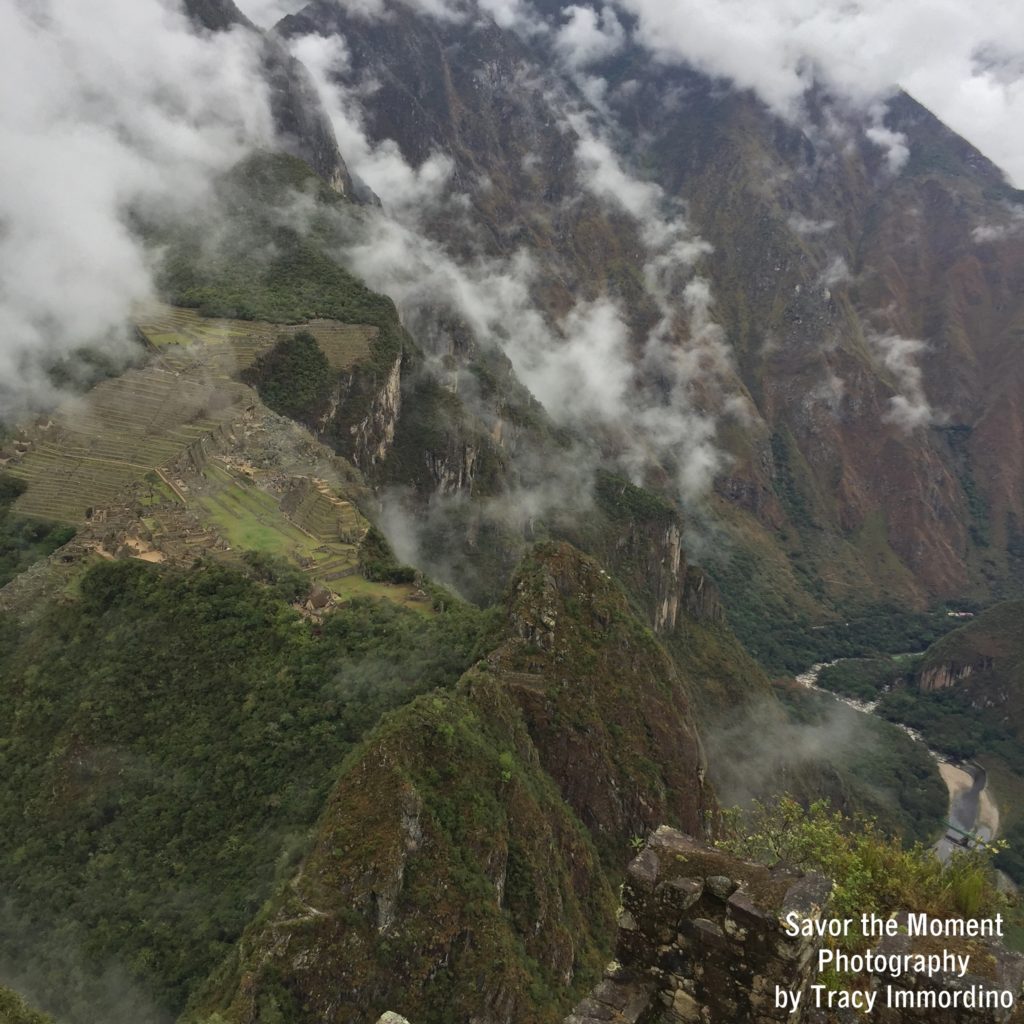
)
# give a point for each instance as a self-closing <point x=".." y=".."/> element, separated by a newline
<point x="962" y="786"/>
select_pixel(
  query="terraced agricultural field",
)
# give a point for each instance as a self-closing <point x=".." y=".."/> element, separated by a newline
<point x="129" y="425"/>
<point x="185" y="340"/>
<point x="249" y="518"/>
<point x="116" y="434"/>
<point x="104" y="455"/>
<point x="316" y="529"/>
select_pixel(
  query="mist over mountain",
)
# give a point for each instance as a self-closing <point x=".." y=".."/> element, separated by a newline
<point x="443" y="441"/>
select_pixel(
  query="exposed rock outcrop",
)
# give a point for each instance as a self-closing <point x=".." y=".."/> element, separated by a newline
<point x="941" y="677"/>
<point x="701" y="597"/>
<point x="373" y="435"/>
<point x="702" y="940"/>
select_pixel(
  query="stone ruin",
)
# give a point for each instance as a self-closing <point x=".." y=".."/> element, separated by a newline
<point x="701" y="940"/>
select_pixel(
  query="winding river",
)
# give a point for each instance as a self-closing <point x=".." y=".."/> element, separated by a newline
<point x="971" y="807"/>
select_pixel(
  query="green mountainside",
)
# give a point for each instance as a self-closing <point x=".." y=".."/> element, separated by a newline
<point x="169" y="738"/>
<point x="337" y="676"/>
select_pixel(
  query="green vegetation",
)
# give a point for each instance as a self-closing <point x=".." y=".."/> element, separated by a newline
<point x="24" y="541"/>
<point x="867" y="678"/>
<point x="862" y="765"/>
<point x="977" y="505"/>
<point x="622" y="500"/>
<point x="871" y="872"/>
<point x="14" y="1010"/>
<point x="952" y="725"/>
<point x="983" y="712"/>
<point x="785" y="638"/>
<point x="262" y="268"/>
<point x="792" y="495"/>
<point x="448" y="792"/>
<point x="294" y="378"/>
<point x="167" y="740"/>
<point x="377" y="562"/>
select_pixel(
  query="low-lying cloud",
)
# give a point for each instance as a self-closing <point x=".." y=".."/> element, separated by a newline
<point x="909" y="409"/>
<point x="111" y="111"/>
<point x="660" y="398"/>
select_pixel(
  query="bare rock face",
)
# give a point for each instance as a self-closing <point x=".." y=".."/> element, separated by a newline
<point x="303" y="127"/>
<point x="941" y="677"/>
<point x="703" y="603"/>
<point x="702" y="940"/>
<point x="603" y="702"/>
<point x="373" y="435"/>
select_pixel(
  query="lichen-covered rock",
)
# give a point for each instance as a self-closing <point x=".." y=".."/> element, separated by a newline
<point x="705" y="942"/>
<point x="718" y="955"/>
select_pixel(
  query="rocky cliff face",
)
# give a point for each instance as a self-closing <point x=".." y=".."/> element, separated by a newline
<point x="304" y="130"/>
<point x="869" y="317"/>
<point x="372" y="436"/>
<point x="941" y="677"/>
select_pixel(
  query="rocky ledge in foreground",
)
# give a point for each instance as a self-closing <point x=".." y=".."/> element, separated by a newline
<point x="702" y="940"/>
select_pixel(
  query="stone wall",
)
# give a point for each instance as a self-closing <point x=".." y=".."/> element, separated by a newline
<point x="700" y="938"/>
<point x="701" y="941"/>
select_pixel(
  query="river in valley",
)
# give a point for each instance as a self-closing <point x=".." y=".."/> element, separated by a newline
<point x="971" y="806"/>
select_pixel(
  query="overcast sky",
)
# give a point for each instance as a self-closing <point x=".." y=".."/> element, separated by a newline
<point x="964" y="61"/>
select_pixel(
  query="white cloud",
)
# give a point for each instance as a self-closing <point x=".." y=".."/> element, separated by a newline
<point x="962" y="61"/>
<point x="267" y="13"/>
<point x="380" y="165"/>
<point x="837" y="272"/>
<point x="686" y="369"/>
<point x="1011" y="226"/>
<point x="587" y="35"/>
<point x="108" y="109"/>
<point x="909" y="409"/>
<point x="894" y="144"/>
<point x="806" y="227"/>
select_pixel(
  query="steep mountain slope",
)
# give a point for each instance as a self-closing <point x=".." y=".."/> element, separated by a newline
<point x="302" y="125"/>
<point x="872" y="317"/>
<point x="990" y="646"/>
<point x="464" y="864"/>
